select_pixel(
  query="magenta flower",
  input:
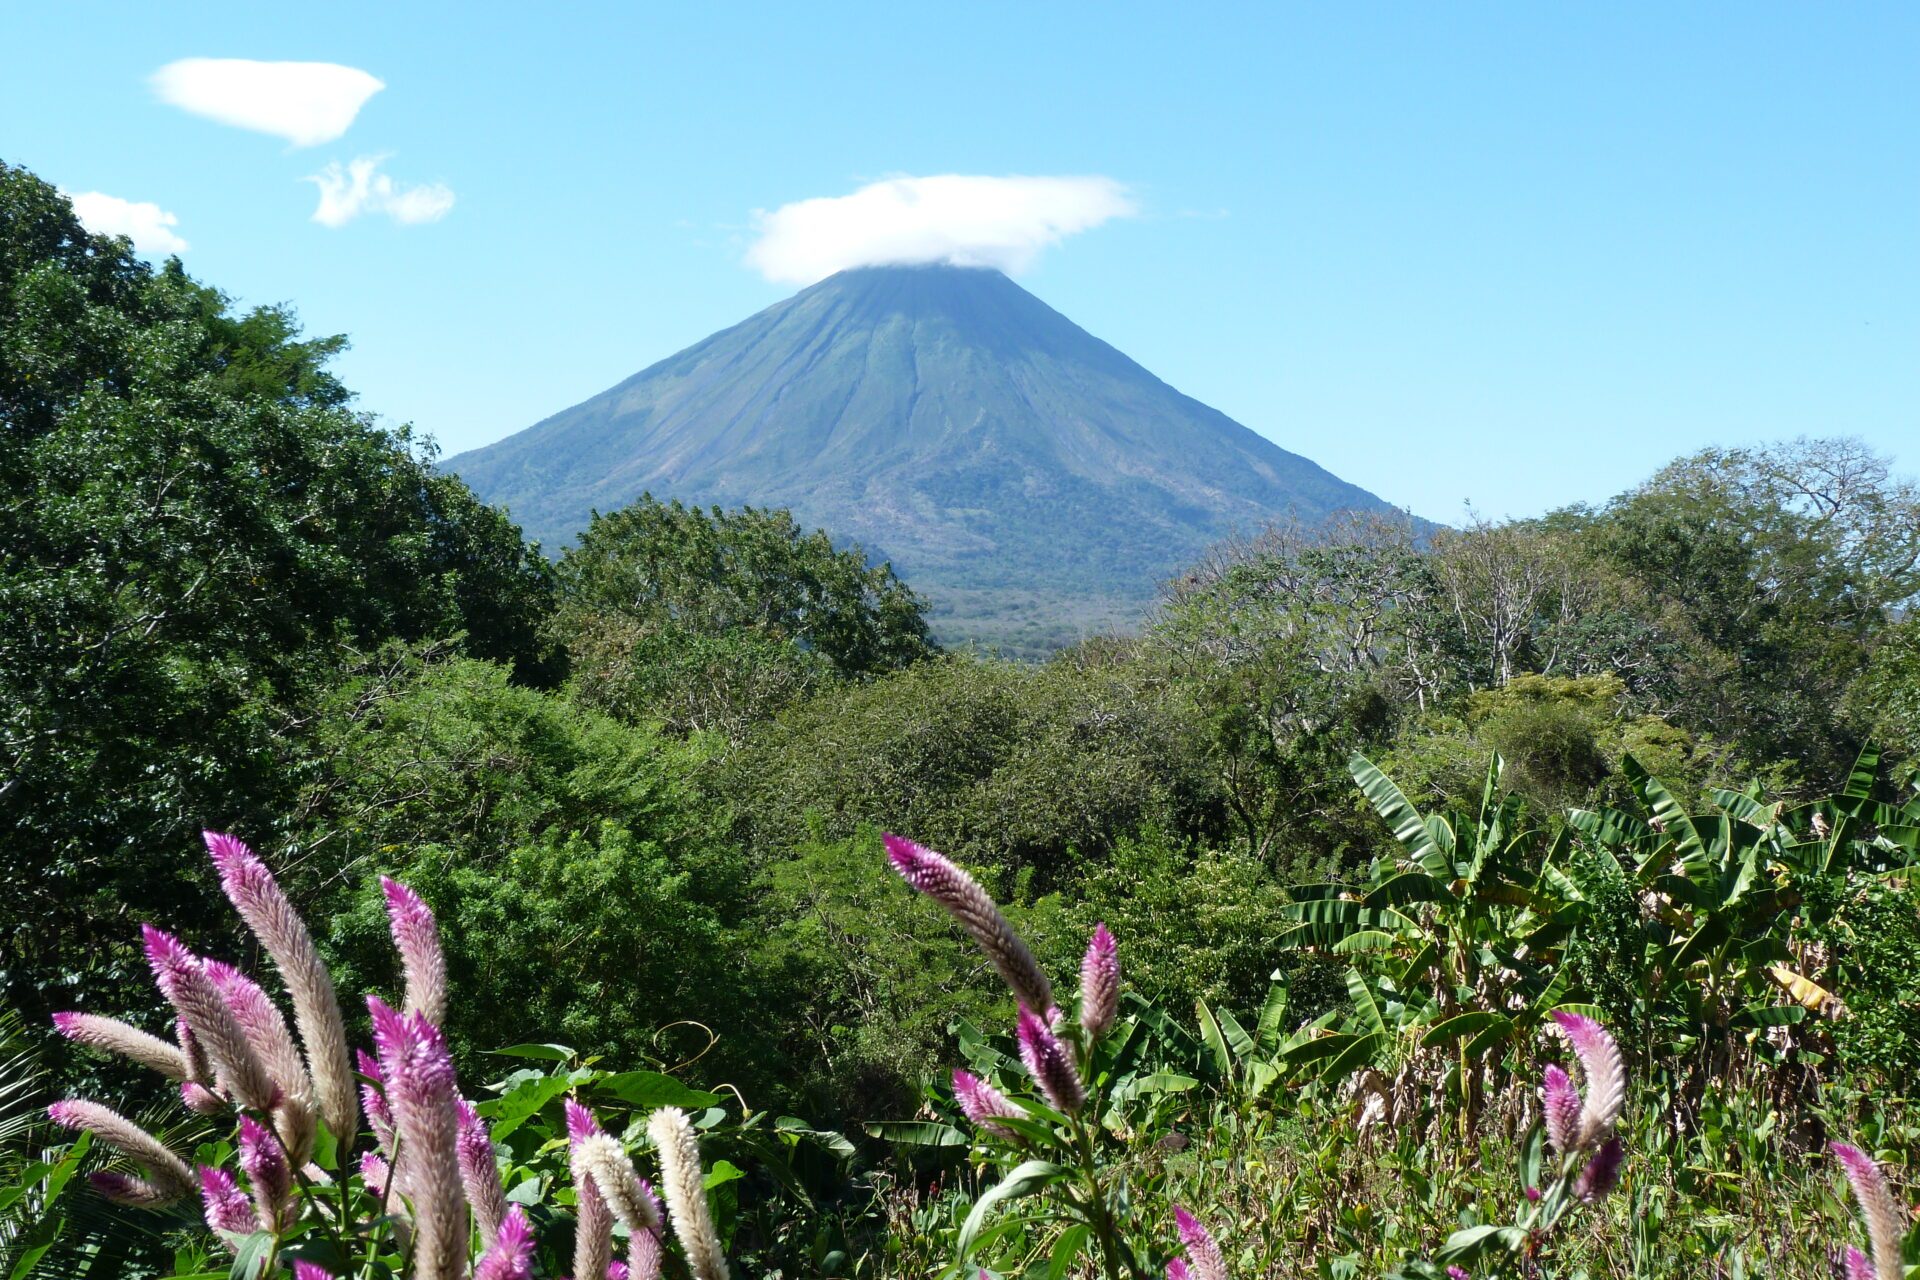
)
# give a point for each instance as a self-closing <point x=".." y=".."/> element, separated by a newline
<point x="183" y="980"/>
<point x="227" y="1207"/>
<point x="1605" y="1082"/>
<point x="480" y="1173"/>
<point x="511" y="1255"/>
<point x="618" y="1271"/>
<point x="168" y="1177"/>
<point x="580" y="1122"/>
<point x="1050" y="1063"/>
<point x="984" y="1104"/>
<point x="418" y="1070"/>
<point x="267" y="1172"/>
<point x="267" y="1033"/>
<point x="1099" y="984"/>
<point x="257" y="896"/>
<point x="1204" y="1255"/>
<point x="593" y="1222"/>
<point x="1458" y="1273"/>
<point x="417" y="938"/>
<point x="1602" y="1172"/>
<point x="1856" y="1266"/>
<point x="200" y="1100"/>
<point x="377" y="1174"/>
<point x="1876" y="1206"/>
<point x="964" y="899"/>
<point x="1561" y="1103"/>
<point x="1177" y="1270"/>
<point x="110" y="1035"/>
<point x="304" y="1270"/>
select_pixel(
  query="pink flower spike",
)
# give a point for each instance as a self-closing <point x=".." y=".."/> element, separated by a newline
<point x="1856" y="1265"/>
<point x="1208" y="1262"/>
<point x="1050" y="1064"/>
<point x="417" y="938"/>
<point x="940" y="879"/>
<point x="1606" y="1075"/>
<point x="1177" y="1270"/>
<point x="368" y="1065"/>
<point x="984" y="1104"/>
<point x="1458" y="1273"/>
<point x="1602" y="1173"/>
<point x="266" y="1169"/>
<point x="110" y="1035"/>
<point x="184" y="981"/>
<point x="618" y="1271"/>
<point x="1099" y="983"/>
<point x="511" y="1257"/>
<point x="1560" y="1102"/>
<point x="480" y="1173"/>
<point x="580" y="1123"/>
<point x="304" y="1270"/>
<point x="227" y="1207"/>
<point x="1876" y="1206"/>
<point x="376" y="1173"/>
<point x="200" y="1100"/>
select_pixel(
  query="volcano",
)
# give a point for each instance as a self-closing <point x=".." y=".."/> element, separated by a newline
<point x="1024" y="476"/>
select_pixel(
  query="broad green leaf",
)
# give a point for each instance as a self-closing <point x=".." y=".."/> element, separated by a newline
<point x="1464" y="1024"/>
<point x="916" y="1133"/>
<point x="1066" y="1250"/>
<point x="1408" y="827"/>
<point x="542" y="1052"/>
<point x="1024" y="1180"/>
<point x="650" y="1090"/>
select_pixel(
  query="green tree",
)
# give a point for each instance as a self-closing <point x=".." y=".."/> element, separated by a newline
<point x="713" y="619"/>
<point x="200" y="536"/>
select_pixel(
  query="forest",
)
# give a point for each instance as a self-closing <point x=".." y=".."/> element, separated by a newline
<point x="1529" y="897"/>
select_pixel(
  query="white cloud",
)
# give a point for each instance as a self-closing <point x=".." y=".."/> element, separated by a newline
<point x="967" y="220"/>
<point x="348" y="191"/>
<point x="148" y="225"/>
<point x="306" y="103"/>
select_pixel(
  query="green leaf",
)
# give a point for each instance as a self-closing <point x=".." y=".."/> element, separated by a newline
<point x="523" y="1102"/>
<point x="1465" y="1024"/>
<point x="1273" y="1016"/>
<point x="1409" y="828"/>
<point x="650" y="1090"/>
<point x="1364" y="1005"/>
<point x="543" y="1052"/>
<point x="1024" y="1180"/>
<point x="1215" y="1042"/>
<point x="723" y="1172"/>
<point x="1066" y="1249"/>
<point x="916" y="1133"/>
<point x="250" y="1257"/>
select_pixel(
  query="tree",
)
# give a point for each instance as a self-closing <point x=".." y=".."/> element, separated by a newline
<point x="201" y="536"/>
<point x="712" y="619"/>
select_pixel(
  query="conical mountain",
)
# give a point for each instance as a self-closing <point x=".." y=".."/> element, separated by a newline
<point x="1002" y="457"/>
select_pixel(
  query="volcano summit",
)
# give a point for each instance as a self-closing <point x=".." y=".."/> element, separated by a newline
<point x="1018" y="472"/>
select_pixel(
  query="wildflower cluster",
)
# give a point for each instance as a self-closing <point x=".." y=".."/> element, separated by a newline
<point x="419" y="1193"/>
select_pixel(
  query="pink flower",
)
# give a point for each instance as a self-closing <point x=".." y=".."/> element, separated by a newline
<point x="1177" y="1270"/>
<point x="580" y="1122"/>
<point x="1605" y="1075"/>
<point x="1099" y="984"/>
<point x="1602" y="1172"/>
<point x="1561" y="1103"/>
<point x="113" y="1036"/>
<point x="417" y="938"/>
<point x="227" y="1207"/>
<point x="1876" y="1206"/>
<point x="1205" y="1256"/>
<point x="183" y="980"/>
<point x="968" y="903"/>
<point x="984" y="1104"/>
<point x="304" y="1270"/>
<point x="266" y="1169"/>
<point x="257" y="896"/>
<point x="511" y="1255"/>
<point x="480" y="1173"/>
<point x="1050" y="1064"/>
<point x="168" y="1177"/>
<point x="418" y="1070"/>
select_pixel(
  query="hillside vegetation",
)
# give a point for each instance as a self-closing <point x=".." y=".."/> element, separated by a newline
<point x="1349" y="873"/>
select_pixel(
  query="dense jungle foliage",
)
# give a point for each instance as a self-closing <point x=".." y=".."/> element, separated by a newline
<point x="1364" y="811"/>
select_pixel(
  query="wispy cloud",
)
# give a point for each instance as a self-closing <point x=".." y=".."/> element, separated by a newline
<point x="306" y="103"/>
<point x="347" y="191"/>
<point x="148" y="225"/>
<point x="967" y="220"/>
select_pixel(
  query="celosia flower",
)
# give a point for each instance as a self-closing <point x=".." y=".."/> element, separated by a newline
<point x="1605" y="1075"/>
<point x="418" y="1071"/>
<point x="1602" y="1172"/>
<point x="168" y="1177"/>
<point x="1050" y="1064"/>
<point x="200" y="1100"/>
<point x="267" y="1172"/>
<point x="377" y="1174"/>
<point x="618" y="1271"/>
<point x="984" y="1104"/>
<point x="226" y="1205"/>
<point x="1560" y="1101"/>
<point x="261" y="903"/>
<point x="1177" y="1270"/>
<point x="111" y="1035"/>
<point x="1099" y="984"/>
<point x="183" y="980"/>
<point x="593" y="1224"/>
<point x="968" y="903"/>
<point x="304" y="1270"/>
<point x="685" y="1186"/>
<point x="644" y="1254"/>
<point x="266" y="1030"/>
<point x="511" y="1255"/>
<point x="417" y="938"/>
<point x="1855" y="1265"/>
<point x="1876" y="1206"/>
<point x="199" y="1070"/>
<point x="1458" y="1273"/>
<point x="605" y="1161"/>
<point x="480" y="1173"/>
<point x="135" y="1193"/>
<point x="1204" y="1255"/>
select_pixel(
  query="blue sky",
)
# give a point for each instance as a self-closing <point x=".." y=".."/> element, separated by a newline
<point x="1511" y="254"/>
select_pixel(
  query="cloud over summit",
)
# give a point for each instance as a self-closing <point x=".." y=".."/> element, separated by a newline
<point x="306" y="103"/>
<point x="963" y="219"/>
